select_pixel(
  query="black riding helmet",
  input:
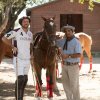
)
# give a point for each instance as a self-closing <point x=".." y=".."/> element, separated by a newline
<point x="21" y="19"/>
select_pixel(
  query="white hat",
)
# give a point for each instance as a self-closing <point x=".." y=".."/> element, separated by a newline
<point x="67" y="27"/>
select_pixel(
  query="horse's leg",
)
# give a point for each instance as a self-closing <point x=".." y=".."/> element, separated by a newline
<point x="88" y="52"/>
<point x="55" y="72"/>
<point x="38" y="81"/>
<point x="81" y="60"/>
<point x="49" y="79"/>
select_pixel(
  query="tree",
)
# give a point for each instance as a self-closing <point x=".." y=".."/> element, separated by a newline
<point x="15" y="7"/>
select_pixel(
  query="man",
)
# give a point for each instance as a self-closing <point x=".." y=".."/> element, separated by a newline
<point x="70" y="49"/>
<point x="22" y="39"/>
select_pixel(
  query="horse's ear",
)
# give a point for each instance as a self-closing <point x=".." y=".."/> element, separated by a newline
<point x="43" y="18"/>
<point x="54" y="17"/>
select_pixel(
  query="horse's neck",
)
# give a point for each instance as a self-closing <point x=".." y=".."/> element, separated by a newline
<point x="45" y="36"/>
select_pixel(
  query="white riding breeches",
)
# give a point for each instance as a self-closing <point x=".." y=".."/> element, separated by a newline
<point x="21" y="66"/>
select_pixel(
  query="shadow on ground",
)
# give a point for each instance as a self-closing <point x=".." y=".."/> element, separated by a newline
<point x="8" y="90"/>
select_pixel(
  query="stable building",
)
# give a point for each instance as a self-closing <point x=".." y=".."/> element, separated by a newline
<point x="66" y="12"/>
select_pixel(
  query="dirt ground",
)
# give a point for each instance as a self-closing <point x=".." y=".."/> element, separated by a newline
<point x="89" y="82"/>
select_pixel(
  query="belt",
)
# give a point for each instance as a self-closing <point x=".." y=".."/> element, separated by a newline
<point x="70" y="63"/>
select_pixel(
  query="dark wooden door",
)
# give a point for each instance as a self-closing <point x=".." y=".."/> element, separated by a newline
<point x="75" y="20"/>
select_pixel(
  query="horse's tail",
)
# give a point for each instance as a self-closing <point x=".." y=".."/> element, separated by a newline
<point x="90" y="38"/>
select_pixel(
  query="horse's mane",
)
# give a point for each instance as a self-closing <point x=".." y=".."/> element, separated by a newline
<point x="36" y="34"/>
<point x="36" y="37"/>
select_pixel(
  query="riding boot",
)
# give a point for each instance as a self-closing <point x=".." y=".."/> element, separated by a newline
<point x="24" y="84"/>
<point x="18" y="87"/>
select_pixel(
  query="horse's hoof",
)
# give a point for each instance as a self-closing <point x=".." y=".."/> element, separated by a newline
<point x="37" y="94"/>
<point x="90" y="71"/>
<point x="49" y="95"/>
<point x="37" y="97"/>
<point x="94" y="71"/>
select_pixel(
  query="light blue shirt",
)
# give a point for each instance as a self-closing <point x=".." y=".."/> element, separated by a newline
<point x="73" y="46"/>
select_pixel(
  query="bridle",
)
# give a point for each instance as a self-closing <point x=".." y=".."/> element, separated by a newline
<point x="50" y="31"/>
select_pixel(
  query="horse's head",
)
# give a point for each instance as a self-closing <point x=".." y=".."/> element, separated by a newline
<point x="49" y="25"/>
<point x="49" y="28"/>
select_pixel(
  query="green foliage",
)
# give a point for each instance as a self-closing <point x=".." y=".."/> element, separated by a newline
<point x="90" y="2"/>
<point x="97" y="1"/>
<point x="15" y="6"/>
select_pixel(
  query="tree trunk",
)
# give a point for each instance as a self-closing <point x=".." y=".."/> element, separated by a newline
<point x="3" y="26"/>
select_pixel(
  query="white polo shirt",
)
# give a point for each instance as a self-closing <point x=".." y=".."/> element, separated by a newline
<point x="24" y="39"/>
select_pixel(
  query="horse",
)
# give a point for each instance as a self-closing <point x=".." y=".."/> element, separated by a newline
<point x="5" y="50"/>
<point x="86" y="43"/>
<point x="44" y="56"/>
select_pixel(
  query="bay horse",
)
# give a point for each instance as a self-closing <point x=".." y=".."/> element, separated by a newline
<point x="86" y="43"/>
<point x="44" y="56"/>
<point x="5" y="50"/>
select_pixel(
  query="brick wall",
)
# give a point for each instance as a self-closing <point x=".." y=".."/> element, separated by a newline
<point x="91" y="20"/>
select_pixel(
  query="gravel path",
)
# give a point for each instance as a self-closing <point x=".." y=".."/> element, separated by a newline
<point x="89" y="82"/>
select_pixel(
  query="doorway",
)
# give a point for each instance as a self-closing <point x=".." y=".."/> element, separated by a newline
<point x="75" y="20"/>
